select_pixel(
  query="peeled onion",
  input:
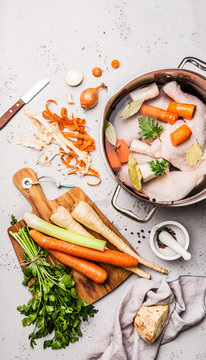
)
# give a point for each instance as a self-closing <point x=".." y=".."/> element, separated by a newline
<point x="89" y="97"/>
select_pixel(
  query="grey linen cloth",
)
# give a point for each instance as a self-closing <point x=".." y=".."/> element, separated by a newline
<point x="119" y="340"/>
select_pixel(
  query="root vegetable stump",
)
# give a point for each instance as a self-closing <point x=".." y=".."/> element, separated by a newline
<point x="83" y="213"/>
<point x="180" y="135"/>
<point x="184" y="110"/>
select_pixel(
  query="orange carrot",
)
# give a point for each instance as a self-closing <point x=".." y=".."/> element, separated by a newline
<point x="92" y="271"/>
<point x="112" y="156"/>
<point x="180" y="135"/>
<point x="97" y="72"/>
<point x="184" y="110"/>
<point x="107" y="256"/>
<point x="115" y="64"/>
<point x="158" y="113"/>
<point x="122" y="151"/>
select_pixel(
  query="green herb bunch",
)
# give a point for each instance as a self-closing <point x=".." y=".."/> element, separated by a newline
<point x="149" y="127"/>
<point x="158" y="167"/>
<point x="55" y="306"/>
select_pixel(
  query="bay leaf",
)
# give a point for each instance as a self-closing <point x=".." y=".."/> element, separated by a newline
<point x="135" y="174"/>
<point x="110" y="133"/>
<point x="194" y="154"/>
<point x="131" y="109"/>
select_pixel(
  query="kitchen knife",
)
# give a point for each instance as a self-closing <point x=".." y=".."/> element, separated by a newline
<point x="24" y="100"/>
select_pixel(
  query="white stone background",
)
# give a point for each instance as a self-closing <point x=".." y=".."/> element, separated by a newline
<point x="45" y="39"/>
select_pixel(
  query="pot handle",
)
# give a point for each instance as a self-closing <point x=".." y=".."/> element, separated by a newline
<point x="130" y="213"/>
<point x="193" y="60"/>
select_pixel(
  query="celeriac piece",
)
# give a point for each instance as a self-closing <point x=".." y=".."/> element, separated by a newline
<point x="150" y="321"/>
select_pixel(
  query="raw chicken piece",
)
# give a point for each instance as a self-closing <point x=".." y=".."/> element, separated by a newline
<point x="170" y="187"/>
<point x="175" y="185"/>
<point x="173" y="90"/>
<point x="124" y="175"/>
<point x="162" y="101"/>
<point x="176" y="155"/>
<point x="128" y="129"/>
<point x="142" y="158"/>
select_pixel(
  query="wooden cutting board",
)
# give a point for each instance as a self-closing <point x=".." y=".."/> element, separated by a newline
<point x="86" y="288"/>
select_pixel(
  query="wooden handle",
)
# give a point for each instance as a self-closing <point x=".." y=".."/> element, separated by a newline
<point x="10" y="113"/>
<point x="34" y="194"/>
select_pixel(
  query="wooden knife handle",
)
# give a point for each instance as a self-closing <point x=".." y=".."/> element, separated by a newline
<point x="10" y="113"/>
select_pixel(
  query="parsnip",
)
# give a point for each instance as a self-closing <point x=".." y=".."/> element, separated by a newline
<point x="83" y="213"/>
<point x="62" y="217"/>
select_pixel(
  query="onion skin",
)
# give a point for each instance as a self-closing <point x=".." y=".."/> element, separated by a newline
<point x="89" y="97"/>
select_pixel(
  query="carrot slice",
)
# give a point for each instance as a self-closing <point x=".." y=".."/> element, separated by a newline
<point x="184" y="110"/>
<point x="180" y="135"/>
<point x="158" y="113"/>
<point x="112" y="156"/>
<point x="122" y="151"/>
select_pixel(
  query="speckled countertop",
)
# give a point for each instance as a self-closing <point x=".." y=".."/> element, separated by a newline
<point x="45" y="39"/>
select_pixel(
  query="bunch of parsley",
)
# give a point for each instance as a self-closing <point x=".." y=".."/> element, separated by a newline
<point x="55" y="306"/>
<point x="158" y="166"/>
<point x="149" y="127"/>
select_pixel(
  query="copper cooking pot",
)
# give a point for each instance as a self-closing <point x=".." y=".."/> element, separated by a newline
<point x="190" y="82"/>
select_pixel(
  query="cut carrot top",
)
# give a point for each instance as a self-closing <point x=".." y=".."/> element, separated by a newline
<point x="184" y="110"/>
<point x="158" y="113"/>
<point x="180" y="135"/>
<point x="112" y="156"/>
<point x="122" y="151"/>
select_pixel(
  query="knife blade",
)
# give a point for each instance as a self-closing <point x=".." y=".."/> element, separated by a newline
<point x="24" y="100"/>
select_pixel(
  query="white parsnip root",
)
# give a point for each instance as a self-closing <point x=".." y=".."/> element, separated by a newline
<point x="62" y="217"/>
<point x="83" y="213"/>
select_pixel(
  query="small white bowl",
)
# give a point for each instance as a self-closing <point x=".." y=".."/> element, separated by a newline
<point x="181" y="235"/>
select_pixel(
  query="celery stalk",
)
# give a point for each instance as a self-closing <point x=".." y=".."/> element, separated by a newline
<point x="34" y="222"/>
